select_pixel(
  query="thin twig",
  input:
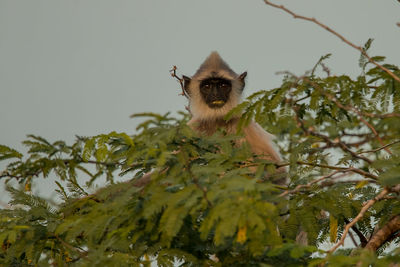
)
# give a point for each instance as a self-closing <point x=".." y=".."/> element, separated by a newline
<point x="379" y="148"/>
<point x="381" y="116"/>
<point x="81" y="252"/>
<point x="180" y="80"/>
<point x="365" y="208"/>
<point x="359" y="48"/>
<point x="353" y="239"/>
<point x="324" y="182"/>
<point x="301" y="186"/>
<point x="348" y="108"/>
<point x="327" y="139"/>
<point x="355" y="134"/>
<point x="340" y="105"/>
<point x="360" y="235"/>
<point x="342" y="169"/>
<point x="17" y="177"/>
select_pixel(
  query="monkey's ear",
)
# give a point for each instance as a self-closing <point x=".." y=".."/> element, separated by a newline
<point x="186" y="83"/>
<point x="241" y="79"/>
<point x="242" y="76"/>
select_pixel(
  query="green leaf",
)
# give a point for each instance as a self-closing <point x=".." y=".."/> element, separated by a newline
<point x="333" y="228"/>
<point x="7" y="153"/>
<point x="88" y="149"/>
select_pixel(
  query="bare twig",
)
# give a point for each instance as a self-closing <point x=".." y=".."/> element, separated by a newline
<point x="180" y="80"/>
<point x="353" y="239"/>
<point x="381" y="116"/>
<point x="364" y="209"/>
<point x="379" y="148"/>
<point x="7" y="175"/>
<point x="355" y="134"/>
<point x="326" y="69"/>
<point x="17" y="177"/>
<point x="324" y="182"/>
<point x="308" y="185"/>
<point x="341" y="37"/>
<point x="360" y="235"/>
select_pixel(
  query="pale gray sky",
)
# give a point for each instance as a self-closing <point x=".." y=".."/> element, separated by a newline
<point x="82" y="67"/>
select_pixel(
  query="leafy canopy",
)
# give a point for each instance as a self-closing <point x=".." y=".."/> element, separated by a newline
<point x="340" y="141"/>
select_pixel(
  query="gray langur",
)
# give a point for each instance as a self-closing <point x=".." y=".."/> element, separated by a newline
<point x="213" y="91"/>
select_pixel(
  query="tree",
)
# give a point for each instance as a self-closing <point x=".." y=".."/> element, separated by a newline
<point x="208" y="202"/>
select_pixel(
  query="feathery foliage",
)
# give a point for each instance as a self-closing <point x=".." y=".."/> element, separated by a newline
<point x="208" y="202"/>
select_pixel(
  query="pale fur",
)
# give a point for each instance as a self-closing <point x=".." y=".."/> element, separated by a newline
<point x="261" y="142"/>
<point x="204" y="117"/>
<point x="213" y="66"/>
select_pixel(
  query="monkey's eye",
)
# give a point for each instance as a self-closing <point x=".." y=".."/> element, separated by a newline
<point x="206" y="86"/>
<point x="224" y="85"/>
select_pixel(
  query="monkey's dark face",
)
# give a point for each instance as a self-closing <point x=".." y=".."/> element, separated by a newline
<point x="215" y="91"/>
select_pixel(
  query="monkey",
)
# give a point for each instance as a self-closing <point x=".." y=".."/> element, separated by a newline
<point x="213" y="91"/>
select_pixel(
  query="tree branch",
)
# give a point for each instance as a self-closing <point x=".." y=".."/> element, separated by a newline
<point x="180" y="80"/>
<point x="384" y="234"/>
<point x="327" y="139"/>
<point x="360" y="235"/>
<point x="348" y="108"/>
<point x="379" y="148"/>
<point x="366" y="207"/>
<point x="80" y="251"/>
<point x="340" y="105"/>
<point x="341" y="37"/>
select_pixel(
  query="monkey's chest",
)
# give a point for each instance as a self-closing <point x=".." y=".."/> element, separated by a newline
<point x="210" y="127"/>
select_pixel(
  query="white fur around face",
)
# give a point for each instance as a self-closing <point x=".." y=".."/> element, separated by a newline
<point x="213" y="66"/>
<point x="201" y="111"/>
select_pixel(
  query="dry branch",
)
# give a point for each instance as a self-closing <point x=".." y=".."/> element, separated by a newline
<point x="179" y="79"/>
<point x="359" y="48"/>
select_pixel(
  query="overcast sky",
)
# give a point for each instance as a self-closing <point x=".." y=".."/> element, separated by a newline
<point x="81" y="67"/>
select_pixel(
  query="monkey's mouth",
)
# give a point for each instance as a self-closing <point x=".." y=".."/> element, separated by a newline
<point x="216" y="104"/>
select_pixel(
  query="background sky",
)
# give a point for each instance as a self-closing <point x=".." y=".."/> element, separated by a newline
<point x="82" y="67"/>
